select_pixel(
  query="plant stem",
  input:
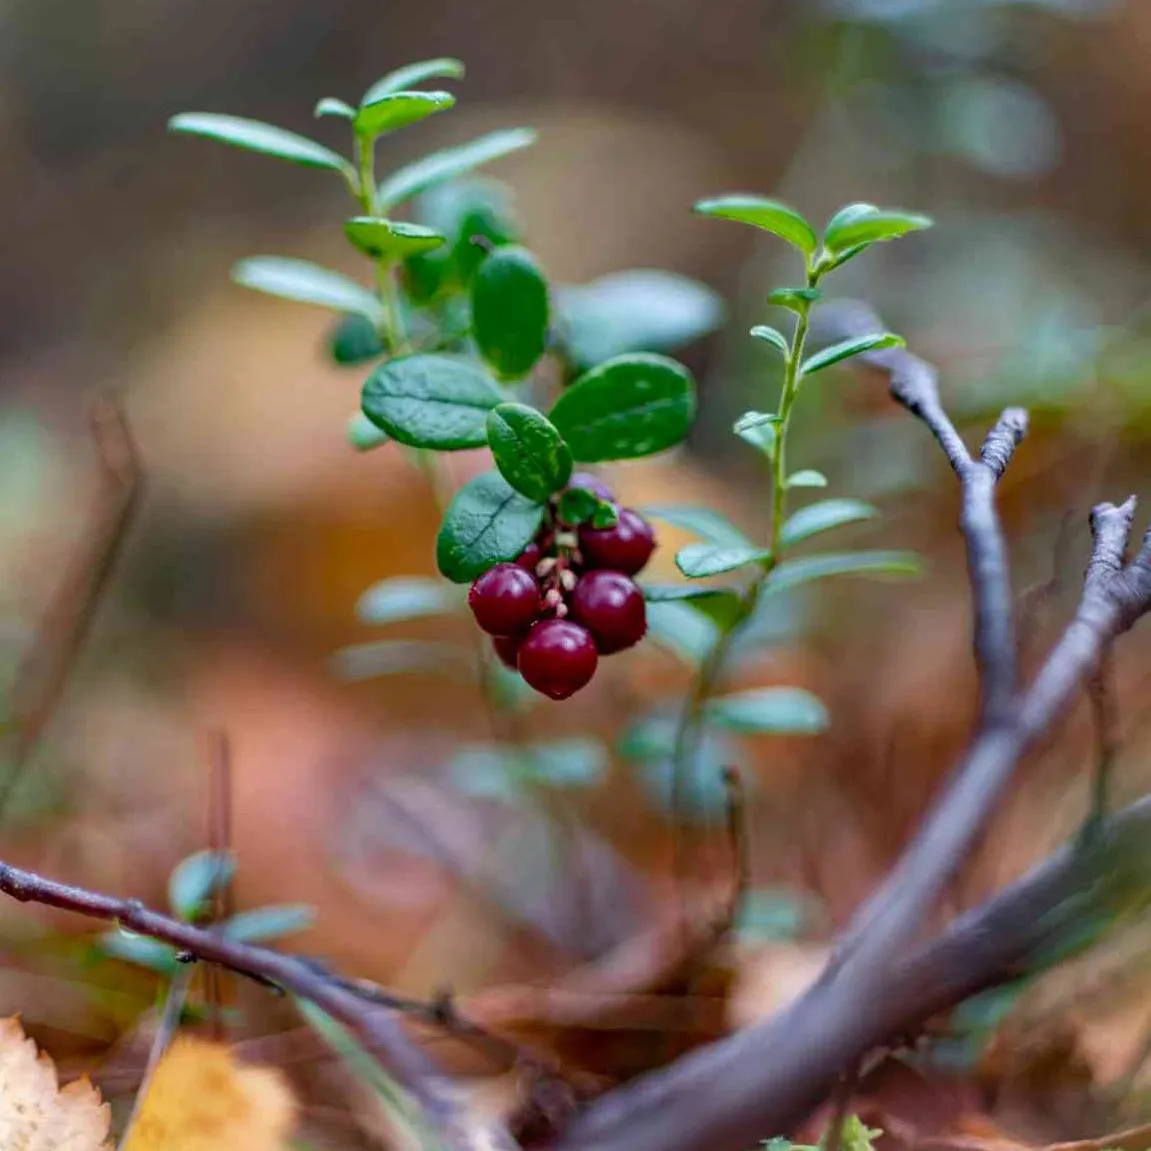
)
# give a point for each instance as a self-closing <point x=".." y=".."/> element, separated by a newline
<point x="689" y="727"/>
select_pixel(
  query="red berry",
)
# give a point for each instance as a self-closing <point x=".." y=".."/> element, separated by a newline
<point x="557" y="658"/>
<point x="611" y="607"/>
<point x="623" y="548"/>
<point x="505" y="599"/>
<point x="529" y="558"/>
<point x="592" y="484"/>
<point x="507" y="647"/>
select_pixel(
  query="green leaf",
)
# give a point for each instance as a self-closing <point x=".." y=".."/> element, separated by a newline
<point x="141" y="949"/>
<point x="330" y="106"/>
<point x="770" y="710"/>
<point x="404" y="598"/>
<point x="859" y="224"/>
<point x="699" y="520"/>
<point x="510" y="310"/>
<point x="576" y="506"/>
<point x="822" y="517"/>
<point x="758" y="429"/>
<point x="627" y="407"/>
<point x="770" y="215"/>
<point x="449" y="163"/>
<point x="698" y="561"/>
<point x="354" y="339"/>
<point x="306" y="283"/>
<point x="682" y="630"/>
<point x="196" y="879"/>
<point x="442" y="68"/>
<point x="772" y="336"/>
<point x="798" y="300"/>
<point x="848" y="348"/>
<point x="360" y="661"/>
<point x="573" y="761"/>
<point x="262" y="924"/>
<point x="390" y="239"/>
<point x="790" y="573"/>
<point x="488" y="522"/>
<point x="808" y="478"/>
<point x="639" y="310"/>
<point x="397" y="110"/>
<point x="429" y="400"/>
<point x="363" y="435"/>
<point x="530" y="454"/>
<point x="721" y="605"/>
<point x="604" y="516"/>
<point x="256" y="136"/>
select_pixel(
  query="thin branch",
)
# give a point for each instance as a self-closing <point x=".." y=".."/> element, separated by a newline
<point x="64" y="623"/>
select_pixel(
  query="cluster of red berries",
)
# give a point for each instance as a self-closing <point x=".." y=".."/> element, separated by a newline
<point x="568" y="599"/>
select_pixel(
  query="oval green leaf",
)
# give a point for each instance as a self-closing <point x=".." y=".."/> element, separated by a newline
<point x="860" y="224"/>
<point x="770" y="711"/>
<point x="758" y="429"/>
<point x="256" y="136"/>
<point x="510" y="311"/>
<point x="142" y="949"/>
<point x="437" y="167"/>
<point x="354" y="339"/>
<point x="822" y="517"/>
<point x="808" y="478"/>
<point x="639" y="310"/>
<point x="703" y="522"/>
<point x="397" y="110"/>
<point x="682" y="630"/>
<point x="698" y="561"/>
<point x="530" y="454"/>
<point x="797" y="300"/>
<point x="848" y="348"/>
<point x="772" y="336"/>
<point x="196" y="879"/>
<point x="330" y="106"/>
<point x="262" y="924"/>
<point x="390" y="240"/>
<point x="441" y="68"/>
<point x="431" y="401"/>
<point x="488" y="522"/>
<point x="760" y="212"/>
<point x="406" y="597"/>
<point x="626" y="407"/>
<point x="363" y="435"/>
<point x="307" y="283"/>
<point x="791" y="573"/>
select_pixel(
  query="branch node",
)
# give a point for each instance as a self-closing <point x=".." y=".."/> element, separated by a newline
<point x="1003" y="439"/>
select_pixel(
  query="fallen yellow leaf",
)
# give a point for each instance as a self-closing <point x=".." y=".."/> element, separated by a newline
<point x="35" y="1114"/>
<point x="202" y="1098"/>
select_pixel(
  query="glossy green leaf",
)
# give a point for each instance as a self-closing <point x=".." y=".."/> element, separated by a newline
<point x="790" y="573"/>
<point x="630" y="406"/>
<point x="758" y="429"/>
<point x="576" y="506"/>
<point x="363" y="435"/>
<point x="256" y="136"/>
<point x="698" y="561"/>
<point x="488" y="522"/>
<point x="797" y="300"/>
<point x="330" y="106"/>
<point x="397" y="110"/>
<point x="530" y="454"/>
<point x="822" y="517"/>
<point x="808" y="478"/>
<point x="196" y="879"/>
<point x="263" y="924"/>
<point x="605" y="515"/>
<point x="770" y="215"/>
<point x="681" y="630"/>
<point x="441" y="68"/>
<point x="390" y="239"/>
<point x="360" y="661"/>
<point x="701" y="521"/>
<point x="510" y="311"/>
<point x="772" y="336"/>
<point x="449" y="163"/>
<point x="406" y="597"/>
<point x="721" y="605"/>
<point x="639" y="310"/>
<point x="848" y="348"/>
<point x="430" y="400"/>
<point x="307" y="283"/>
<point x="769" y="710"/>
<point x="141" y="949"/>
<point x="354" y="339"/>
<point x="866" y="224"/>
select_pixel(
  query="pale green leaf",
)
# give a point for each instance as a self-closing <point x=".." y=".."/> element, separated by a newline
<point x="307" y="283"/>
<point x="256" y="136"/>
<point x="822" y="517"/>
<point x="441" y="68"/>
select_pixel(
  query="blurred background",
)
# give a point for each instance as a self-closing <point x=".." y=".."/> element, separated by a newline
<point x="1019" y="125"/>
